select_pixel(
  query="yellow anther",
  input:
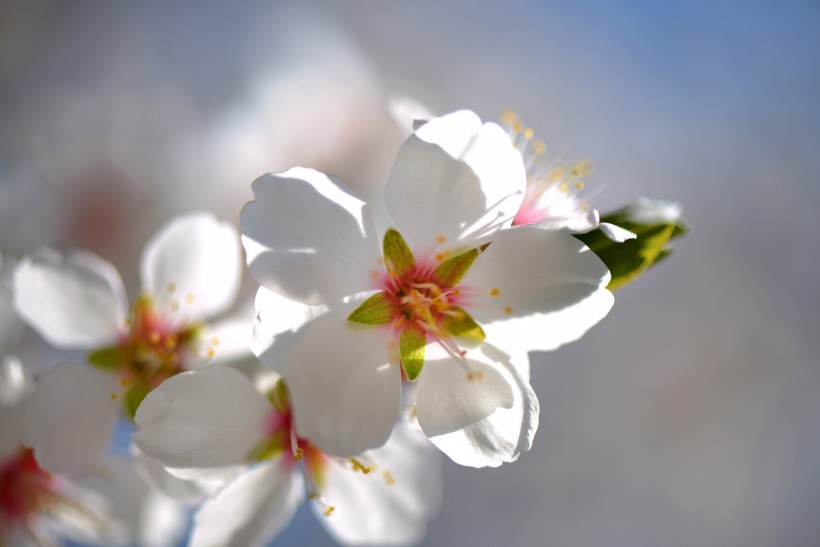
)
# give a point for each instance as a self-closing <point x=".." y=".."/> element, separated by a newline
<point x="329" y="511"/>
<point x="359" y="466"/>
<point x="528" y="133"/>
<point x="579" y="185"/>
<point x="123" y="382"/>
<point x="211" y="352"/>
<point x="441" y="238"/>
<point x="509" y="117"/>
<point x="175" y="305"/>
<point x="389" y="479"/>
<point x="171" y="342"/>
<point x="298" y="454"/>
<point x="495" y="292"/>
<point x="171" y="287"/>
<point x="215" y="341"/>
<point x="313" y="495"/>
<point x="517" y="127"/>
<point x="539" y="147"/>
<point x="154" y="337"/>
<point x="113" y="396"/>
<point x="189" y="298"/>
<point x="508" y="310"/>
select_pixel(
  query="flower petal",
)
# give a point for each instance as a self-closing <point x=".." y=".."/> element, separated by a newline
<point x="70" y="415"/>
<point x="15" y="385"/>
<point x="537" y="289"/>
<point x="616" y="233"/>
<point x="141" y="515"/>
<point x="73" y="301"/>
<point x="399" y="496"/>
<point x="454" y="181"/>
<point x="308" y="238"/>
<point x="482" y="422"/>
<point x="278" y="320"/>
<point x="183" y="491"/>
<point x="345" y="390"/>
<point x="202" y="423"/>
<point x="252" y="509"/>
<point x="193" y="266"/>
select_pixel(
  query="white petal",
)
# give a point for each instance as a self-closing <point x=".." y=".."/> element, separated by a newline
<point x="649" y="211"/>
<point x="70" y="415"/>
<point x="11" y="327"/>
<point x="15" y="385"/>
<point x="479" y="422"/>
<point x="227" y="339"/>
<point x="616" y="233"/>
<point x="408" y="113"/>
<point x="550" y="289"/>
<point x="252" y="509"/>
<point x="279" y="319"/>
<point x="184" y="491"/>
<point x="15" y="382"/>
<point x="308" y="238"/>
<point x="578" y="220"/>
<point x="392" y="504"/>
<point x="193" y="266"/>
<point x="75" y="301"/>
<point x="457" y="180"/>
<point x="345" y="392"/>
<point x="135" y="514"/>
<point x="205" y="421"/>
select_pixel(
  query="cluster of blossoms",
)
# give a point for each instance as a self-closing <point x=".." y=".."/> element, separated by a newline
<point x="375" y="345"/>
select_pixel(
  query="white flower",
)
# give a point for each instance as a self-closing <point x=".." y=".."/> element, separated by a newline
<point x="552" y="198"/>
<point x="212" y="421"/>
<point x="437" y="298"/>
<point x="190" y="271"/>
<point x="107" y="506"/>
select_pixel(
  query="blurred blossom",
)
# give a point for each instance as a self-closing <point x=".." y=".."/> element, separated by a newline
<point x="107" y="505"/>
<point x="190" y="272"/>
<point x="384" y="496"/>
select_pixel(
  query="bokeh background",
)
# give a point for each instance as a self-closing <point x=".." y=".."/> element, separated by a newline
<point x="691" y="415"/>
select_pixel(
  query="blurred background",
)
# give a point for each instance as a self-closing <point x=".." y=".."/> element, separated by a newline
<point x="691" y="415"/>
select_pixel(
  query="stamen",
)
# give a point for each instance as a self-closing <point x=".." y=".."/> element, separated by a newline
<point x="294" y="446"/>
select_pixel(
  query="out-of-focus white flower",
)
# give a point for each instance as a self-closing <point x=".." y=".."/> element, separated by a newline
<point x="212" y="421"/>
<point x="11" y="328"/>
<point x="107" y="506"/>
<point x="653" y="211"/>
<point x="190" y="272"/>
<point x="451" y="287"/>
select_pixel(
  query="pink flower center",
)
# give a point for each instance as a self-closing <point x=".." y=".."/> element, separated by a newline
<point x="25" y="491"/>
<point x="417" y="297"/>
<point x="153" y="348"/>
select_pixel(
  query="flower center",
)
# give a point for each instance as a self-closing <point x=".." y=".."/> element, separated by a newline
<point x="418" y="299"/>
<point x="153" y="349"/>
<point x="421" y="302"/>
<point x="26" y="491"/>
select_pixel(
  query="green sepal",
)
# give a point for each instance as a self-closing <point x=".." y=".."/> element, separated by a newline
<point x="462" y="324"/>
<point x="269" y="447"/>
<point x="108" y="358"/>
<point x="279" y="396"/>
<point x="628" y="260"/>
<point x="411" y="347"/>
<point x="376" y="310"/>
<point x="398" y="258"/>
<point x="450" y="272"/>
<point x="133" y="398"/>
